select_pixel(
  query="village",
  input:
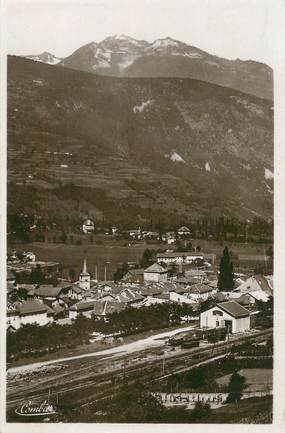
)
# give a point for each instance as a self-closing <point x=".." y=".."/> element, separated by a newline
<point x="176" y="303"/>
<point x="37" y="294"/>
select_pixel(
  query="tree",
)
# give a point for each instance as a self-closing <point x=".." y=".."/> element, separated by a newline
<point x="146" y="260"/>
<point x="201" y="410"/>
<point x="226" y="274"/>
<point x="71" y="274"/>
<point x="37" y="276"/>
<point x="22" y="293"/>
<point x="19" y="226"/>
<point x="121" y="272"/>
<point x="134" y="405"/>
<point x="63" y="237"/>
<point x="235" y="388"/>
<point x="196" y="377"/>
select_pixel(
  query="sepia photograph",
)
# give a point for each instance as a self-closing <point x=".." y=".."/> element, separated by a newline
<point x="139" y="214"/>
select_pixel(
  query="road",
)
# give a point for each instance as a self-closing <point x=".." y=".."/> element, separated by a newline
<point x="139" y="345"/>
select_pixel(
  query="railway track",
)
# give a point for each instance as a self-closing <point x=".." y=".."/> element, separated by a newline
<point x="101" y="379"/>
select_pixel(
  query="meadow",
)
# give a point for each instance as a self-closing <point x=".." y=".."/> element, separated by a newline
<point x="110" y="252"/>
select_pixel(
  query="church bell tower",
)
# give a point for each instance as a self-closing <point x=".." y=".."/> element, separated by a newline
<point x="84" y="278"/>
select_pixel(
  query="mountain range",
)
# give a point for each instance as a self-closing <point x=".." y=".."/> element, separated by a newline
<point x="124" y="56"/>
<point x="135" y="149"/>
<point x="45" y="57"/>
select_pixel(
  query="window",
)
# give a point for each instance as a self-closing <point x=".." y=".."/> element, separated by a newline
<point x="217" y="313"/>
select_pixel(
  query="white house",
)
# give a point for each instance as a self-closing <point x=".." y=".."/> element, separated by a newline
<point x="258" y="286"/>
<point x="180" y="298"/>
<point x="155" y="272"/>
<point x="228" y="314"/>
<point x="201" y="292"/>
<point x="184" y="231"/>
<point x="178" y="258"/>
<point x="29" y="312"/>
<point x="30" y="256"/>
<point x="135" y="233"/>
<point x="85" y="308"/>
<point x="88" y="226"/>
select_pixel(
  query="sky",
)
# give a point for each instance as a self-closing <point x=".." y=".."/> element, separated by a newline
<point x="227" y="28"/>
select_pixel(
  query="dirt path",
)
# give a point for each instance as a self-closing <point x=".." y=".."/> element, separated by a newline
<point x="145" y="343"/>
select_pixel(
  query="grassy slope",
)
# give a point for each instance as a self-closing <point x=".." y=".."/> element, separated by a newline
<point x="118" y="155"/>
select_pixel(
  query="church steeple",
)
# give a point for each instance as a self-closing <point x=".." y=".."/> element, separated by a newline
<point x="84" y="270"/>
<point x="84" y="278"/>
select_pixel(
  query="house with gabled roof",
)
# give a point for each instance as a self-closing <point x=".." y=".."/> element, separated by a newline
<point x="29" y="312"/>
<point x="88" y="226"/>
<point x="134" y="276"/>
<point x="129" y="296"/>
<point x="50" y="292"/>
<point x="180" y="298"/>
<point x="184" y="231"/>
<point x="200" y="291"/>
<point x="83" y="307"/>
<point x="258" y="286"/>
<point x="95" y="308"/>
<point x="155" y="273"/>
<point x="229" y="314"/>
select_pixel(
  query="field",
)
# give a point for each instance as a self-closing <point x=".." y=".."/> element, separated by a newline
<point x="257" y="379"/>
<point x="106" y="250"/>
<point x="71" y="256"/>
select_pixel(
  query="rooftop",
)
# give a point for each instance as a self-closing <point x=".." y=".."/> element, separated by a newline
<point x="49" y="290"/>
<point x="233" y="309"/>
<point x="200" y="288"/>
<point x="263" y="282"/>
<point x="31" y="307"/>
<point x="184" y="229"/>
<point x="83" y="306"/>
<point x="156" y="268"/>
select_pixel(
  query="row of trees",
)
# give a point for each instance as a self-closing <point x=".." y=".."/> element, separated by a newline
<point x="37" y="276"/>
<point x="215" y="228"/>
<point x="31" y="340"/>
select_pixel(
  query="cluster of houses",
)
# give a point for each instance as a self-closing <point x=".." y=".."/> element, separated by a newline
<point x="170" y="237"/>
<point x="62" y="303"/>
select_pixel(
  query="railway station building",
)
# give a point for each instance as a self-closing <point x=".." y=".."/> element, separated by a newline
<point x="228" y="314"/>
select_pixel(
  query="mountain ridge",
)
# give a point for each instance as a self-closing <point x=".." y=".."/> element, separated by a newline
<point x="124" y="56"/>
<point x="144" y="148"/>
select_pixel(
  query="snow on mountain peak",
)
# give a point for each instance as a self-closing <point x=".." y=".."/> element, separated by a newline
<point x="45" y="57"/>
<point x="166" y="42"/>
<point x="124" y="37"/>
